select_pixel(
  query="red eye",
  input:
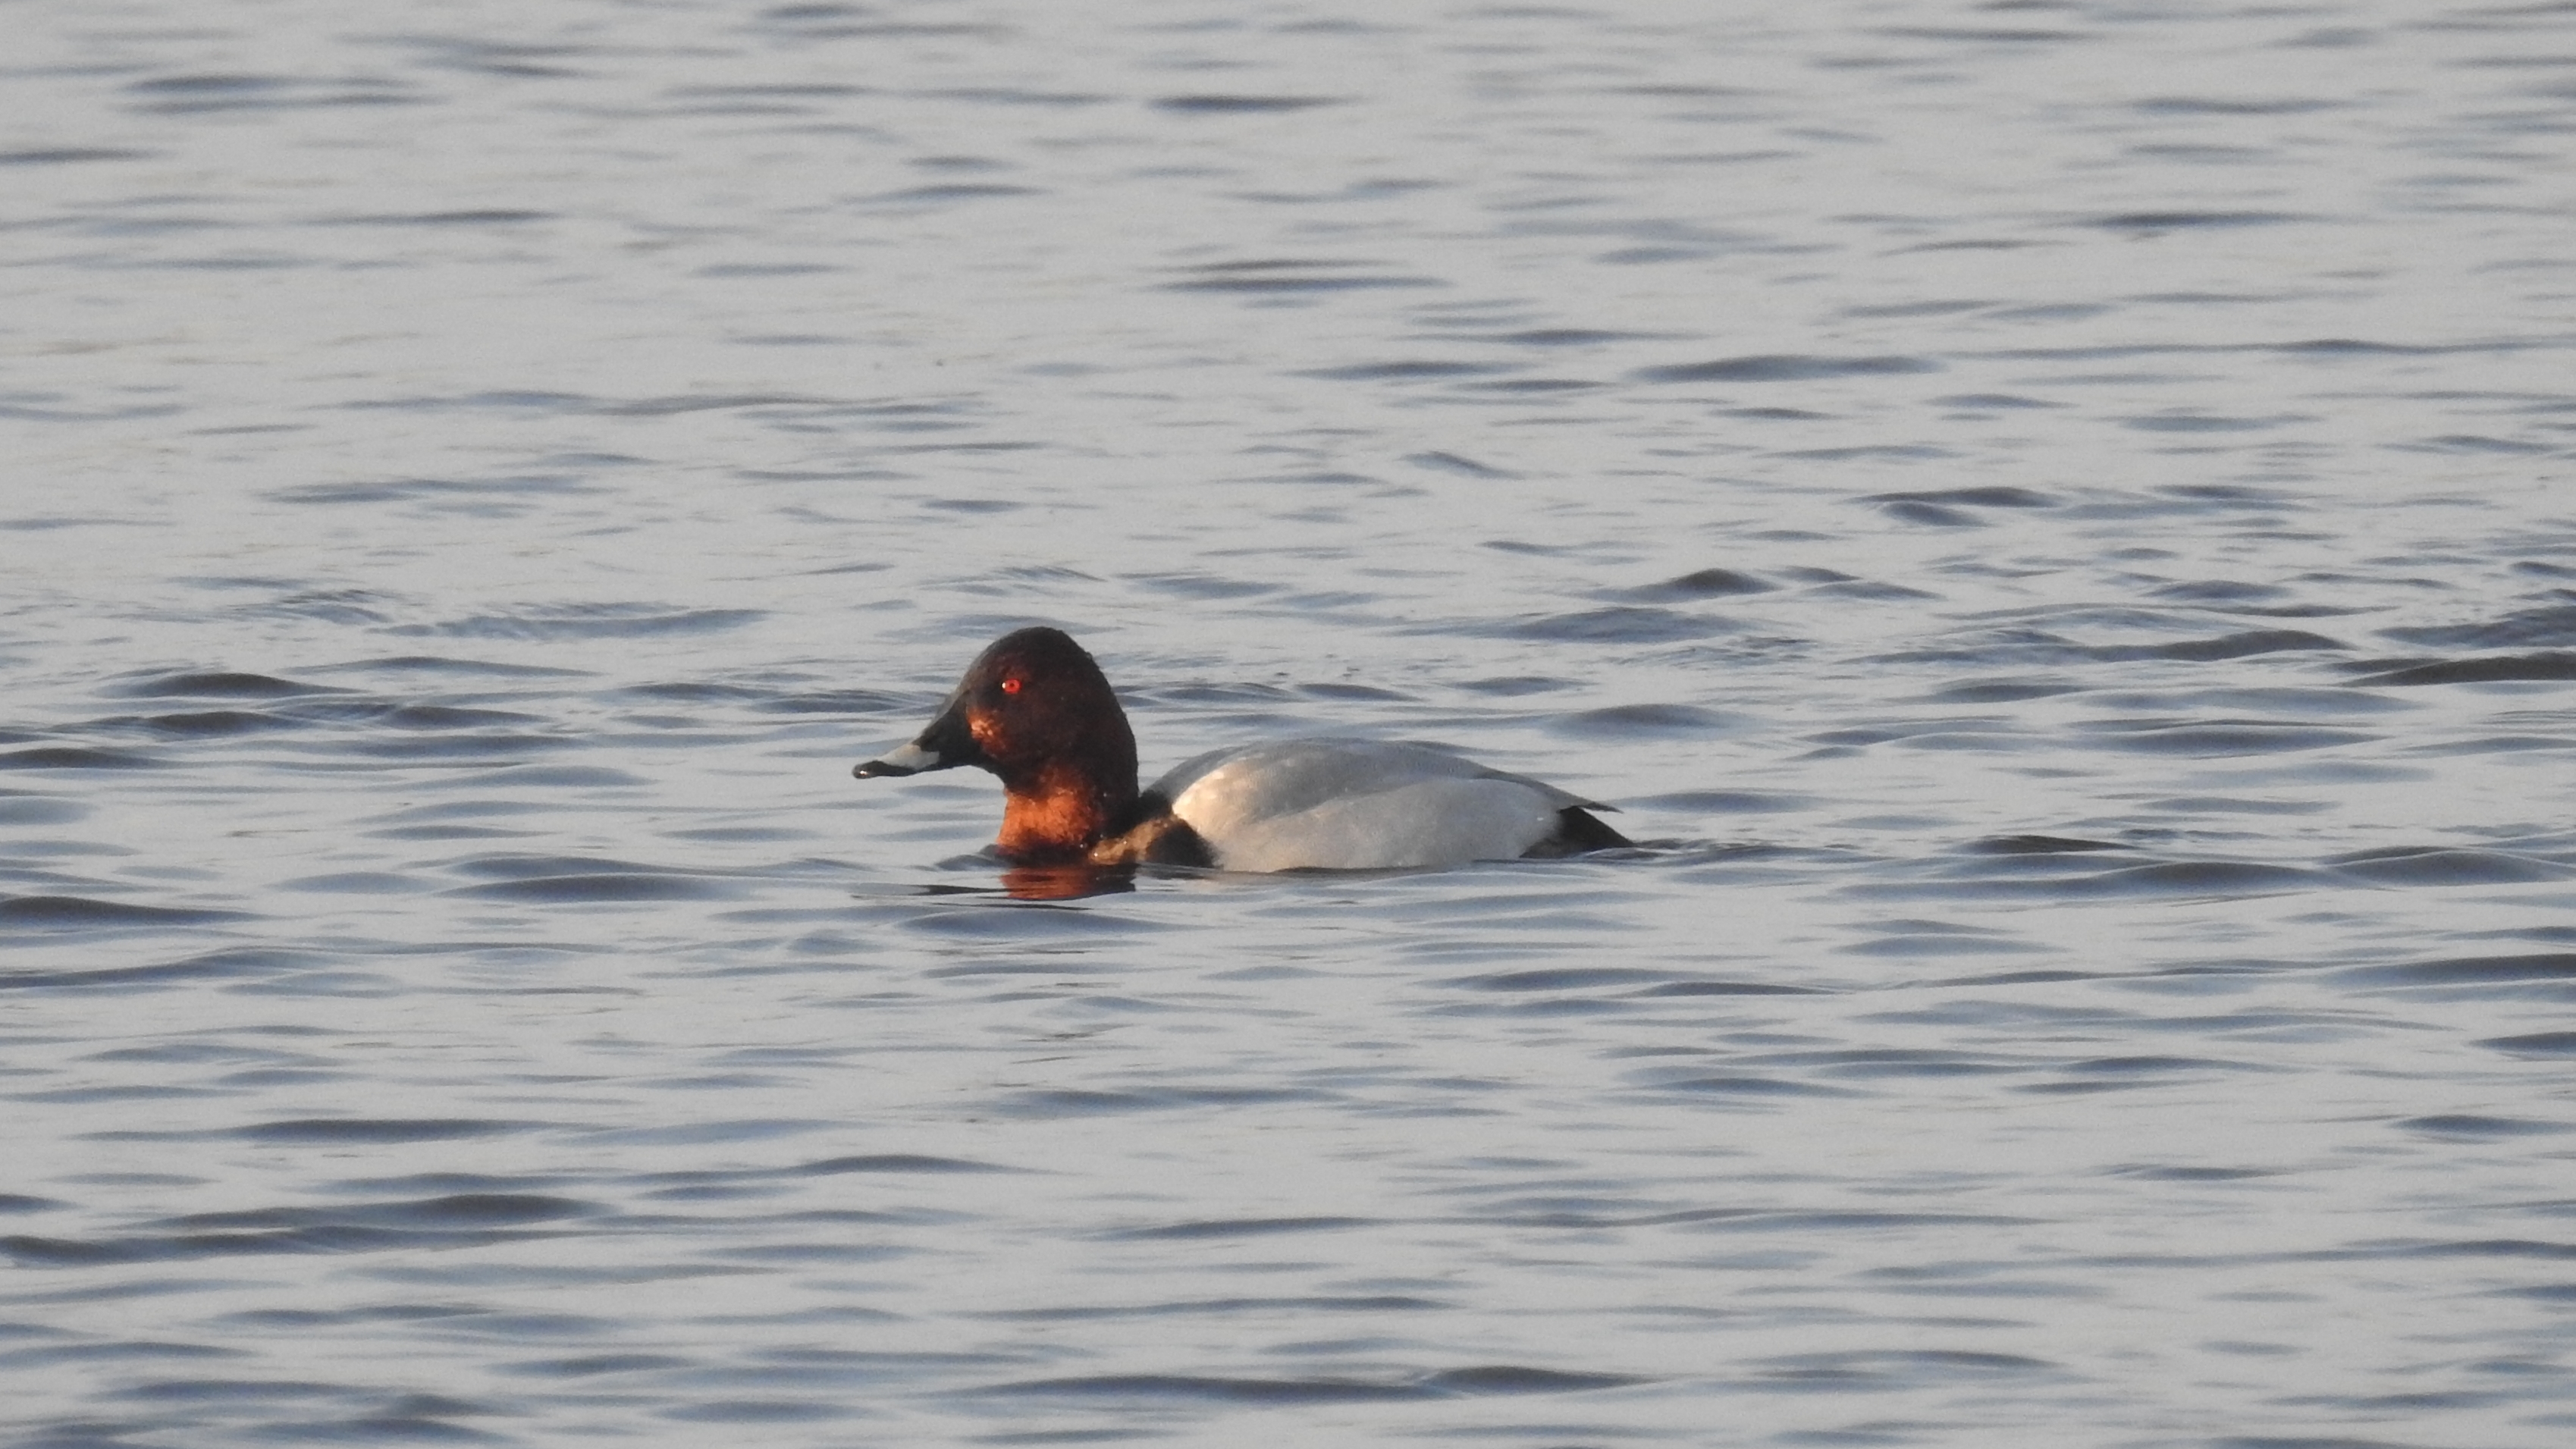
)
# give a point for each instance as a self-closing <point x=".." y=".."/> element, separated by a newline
<point x="1010" y="686"/>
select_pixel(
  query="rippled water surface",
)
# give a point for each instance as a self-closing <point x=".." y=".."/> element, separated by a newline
<point x="2051" y="521"/>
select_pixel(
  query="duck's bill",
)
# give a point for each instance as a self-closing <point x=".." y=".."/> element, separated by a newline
<point x="947" y="744"/>
<point x="912" y="759"/>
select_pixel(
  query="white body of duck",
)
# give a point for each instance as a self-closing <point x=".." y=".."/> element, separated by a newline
<point x="1359" y="805"/>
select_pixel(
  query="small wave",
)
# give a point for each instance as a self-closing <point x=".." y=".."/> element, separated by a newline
<point x="1515" y="1379"/>
<point x="2233" y="646"/>
<point x="2162" y="221"/>
<point x="2218" y="591"/>
<point x="1642" y="721"/>
<point x="1053" y="1104"/>
<point x="2550" y="966"/>
<point x="2480" y="443"/>
<point x="893" y="1162"/>
<point x="1570" y="337"/>
<point x="193" y="94"/>
<point x="245" y="961"/>
<point x="76" y="911"/>
<point x="442" y="664"/>
<point x="464" y="1209"/>
<point x="2536" y="1044"/>
<point x="699" y="1133"/>
<point x="594" y="887"/>
<point x="1949" y="507"/>
<point x="217" y="723"/>
<point x="2493" y="669"/>
<point x="355" y="882"/>
<point x="1747" y="1085"/>
<point x="1335" y="689"/>
<point x="756" y="1411"/>
<point x="1405" y="371"/>
<point x="540" y="867"/>
<point x="1846" y="1220"/>
<point x="2198" y="422"/>
<point x="215" y="684"/>
<point x="490" y="216"/>
<point x="2437" y="865"/>
<point x="1513" y="686"/>
<point x="959" y="191"/>
<point x="377" y="1129"/>
<point x="1320" y="1303"/>
<point x="2142" y="1066"/>
<point x="1708" y="583"/>
<point x="2549" y="626"/>
<point x="1730" y="988"/>
<point x="2010" y="876"/>
<point x="78" y="757"/>
<point x="449" y="717"/>
<point x="1620" y="624"/>
<point x="2474" y="1127"/>
<point x="832" y="701"/>
<point x="1561" y="978"/>
<point x="2219" y="737"/>
<point x="1985" y="497"/>
<point x="1925" y="945"/>
<point x="592" y="1365"/>
<point x="1900" y="1063"/>
<point x="70" y="155"/>
<point x="1993" y="400"/>
<point x="479" y="495"/>
<point x="1026" y="921"/>
<point x="2036" y="845"/>
<point x="1243" y="1228"/>
<point x="463" y="1220"/>
<point x="1289" y="275"/>
<point x="2160" y="1173"/>
<point x="1783" y="367"/>
<point x="2029" y="646"/>
<point x="1228" y="105"/>
<point x="1887" y="1369"/>
<point x="535" y="777"/>
<point x="1729" y="802"/>
<point x="710" y="402"/>
<point x="1193" y="1387"/>
<point x="1451" y="1383"/>
<point x="23" y="809"/>
<point x="502" y="748"/>
<point x="1453" y="463"/>
<point x="603" y="621"/>
<point x="2200" y="877"/>
<point x="1205" y="586"/>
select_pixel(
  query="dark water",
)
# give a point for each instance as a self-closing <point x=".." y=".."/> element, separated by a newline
<point x="2052" y="520"/>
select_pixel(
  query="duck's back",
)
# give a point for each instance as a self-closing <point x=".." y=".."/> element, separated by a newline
<point x="1359" y="805"/>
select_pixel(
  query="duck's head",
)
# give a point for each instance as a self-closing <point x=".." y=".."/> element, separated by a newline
<point x="1035" y="710"/>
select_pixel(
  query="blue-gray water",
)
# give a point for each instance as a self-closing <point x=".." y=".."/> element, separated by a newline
<point x="2053" y="520"/>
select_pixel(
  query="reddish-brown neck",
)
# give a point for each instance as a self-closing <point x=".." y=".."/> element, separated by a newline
<point x="1060" y="813"/>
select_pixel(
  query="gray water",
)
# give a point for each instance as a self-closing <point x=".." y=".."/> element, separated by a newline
<point x="2052" y="522"/>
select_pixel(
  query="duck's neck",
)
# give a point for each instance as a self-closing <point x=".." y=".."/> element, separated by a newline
<point x="1060" y="811"/>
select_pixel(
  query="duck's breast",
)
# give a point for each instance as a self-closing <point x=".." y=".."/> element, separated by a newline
<point x="1357" y="805"/>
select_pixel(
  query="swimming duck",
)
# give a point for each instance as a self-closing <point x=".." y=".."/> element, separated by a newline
<point x="1035" y="710"/>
